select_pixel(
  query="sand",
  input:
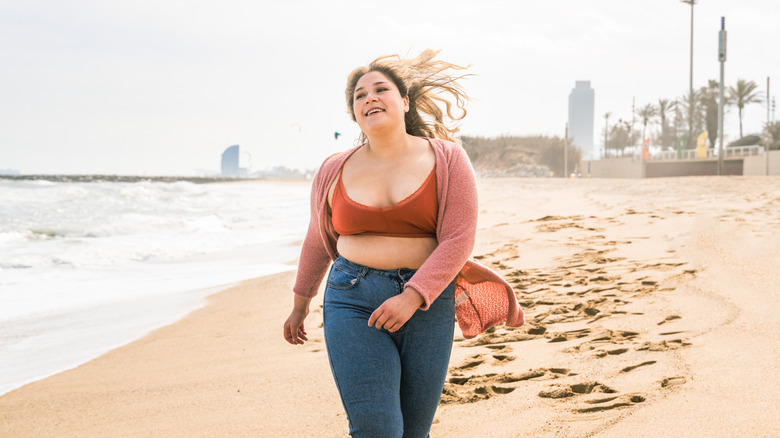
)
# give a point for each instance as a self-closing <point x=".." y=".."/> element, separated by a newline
<point x="651" y="307"/>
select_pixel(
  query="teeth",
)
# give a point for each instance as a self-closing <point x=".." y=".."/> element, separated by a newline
<point x="373" y="111"/>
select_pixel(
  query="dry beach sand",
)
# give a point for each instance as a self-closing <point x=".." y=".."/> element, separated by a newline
<point x="652" y="309"/>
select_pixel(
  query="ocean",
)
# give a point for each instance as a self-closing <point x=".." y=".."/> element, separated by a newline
<point x="88" y="267"/>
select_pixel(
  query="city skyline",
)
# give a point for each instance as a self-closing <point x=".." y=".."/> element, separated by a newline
<point x="99" y="88"/>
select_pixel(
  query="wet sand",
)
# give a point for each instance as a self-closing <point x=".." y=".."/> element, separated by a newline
<point x="651" y="309"/>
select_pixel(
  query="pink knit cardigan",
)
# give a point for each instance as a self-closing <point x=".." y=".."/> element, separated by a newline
<point x="482" y="297"/>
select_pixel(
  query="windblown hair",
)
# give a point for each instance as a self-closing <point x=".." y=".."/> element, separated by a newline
<point x="427" y="82"/>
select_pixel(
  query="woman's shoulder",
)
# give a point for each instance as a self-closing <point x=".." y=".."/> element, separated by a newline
<point x="331" y="165"/>
<point x="445" y="145"/>
<point x="337" y="159"/>
<point x="449" y="150"/>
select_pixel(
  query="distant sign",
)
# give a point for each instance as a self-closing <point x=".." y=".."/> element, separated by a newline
<point x="646" y="149"/>
<point x="701" y="145"/>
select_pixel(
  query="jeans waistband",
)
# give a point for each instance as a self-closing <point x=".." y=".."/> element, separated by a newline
<point x="404" y="273"/>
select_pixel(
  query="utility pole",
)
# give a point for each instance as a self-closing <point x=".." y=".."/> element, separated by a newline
<point x="692" y="102"/>
<point x="566" y="153"/>
<point x="633" y="115"/>
<point x="722" y="59"/>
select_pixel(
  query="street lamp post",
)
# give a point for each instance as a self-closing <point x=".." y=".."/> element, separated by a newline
<point x="566" y="153"/>
<point x="690" y="96"/>
<point x="722" y="59"/>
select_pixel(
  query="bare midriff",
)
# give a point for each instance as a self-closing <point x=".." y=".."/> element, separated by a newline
<point x="382" y="252"/>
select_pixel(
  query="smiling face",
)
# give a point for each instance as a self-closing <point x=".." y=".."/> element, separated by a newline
<point x="377" y="103"/>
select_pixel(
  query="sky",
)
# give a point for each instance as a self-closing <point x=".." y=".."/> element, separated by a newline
<point x="163" y="87"/>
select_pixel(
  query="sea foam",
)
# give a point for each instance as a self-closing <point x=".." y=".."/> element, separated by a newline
<point x="86" y="267"/>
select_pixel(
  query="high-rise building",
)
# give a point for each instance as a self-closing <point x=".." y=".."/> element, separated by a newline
<point x="230" y="161"/>
<point x="582" y="100"/>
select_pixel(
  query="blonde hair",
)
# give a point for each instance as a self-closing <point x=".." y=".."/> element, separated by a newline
<point x="426" y="82"/>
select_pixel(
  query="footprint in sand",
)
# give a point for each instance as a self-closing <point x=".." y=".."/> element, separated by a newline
<point x="633" y="367"/>
<point x="568" y="335"/>
<point x="619" y="402"/>
<point x="670" y="318"/>
<point x="471" y="362"/>
<point x="606" y="336"/>
<point x="594" y="404"/>
<point x="551" y="228"/>
<point x="502" y="348"/>
<point x="558" y="391"/>
<point x="468" y="389"/>
<point x="671" y="333"/>
<point x="663" y="345"/>
<point x="614" y="352"/>
<point x="492" y="390"/>
<point x="501" y="351"/>
<point x="504" y="358"/>
<point x="451" y="395"/>
<point x="499" y="266"/>
<point x="672" y="381"/>
<point x="499" y="338"/>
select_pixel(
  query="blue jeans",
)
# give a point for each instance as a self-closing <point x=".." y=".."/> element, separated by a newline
<point x="390" y="383"/>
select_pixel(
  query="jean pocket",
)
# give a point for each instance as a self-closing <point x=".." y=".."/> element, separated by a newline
<point x="343" y="279"/>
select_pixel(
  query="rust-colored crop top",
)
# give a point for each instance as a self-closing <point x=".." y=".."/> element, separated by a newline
<point x="414" y="216"/>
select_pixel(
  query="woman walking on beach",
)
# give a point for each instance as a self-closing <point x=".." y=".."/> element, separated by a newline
<point x="397" y="218"/>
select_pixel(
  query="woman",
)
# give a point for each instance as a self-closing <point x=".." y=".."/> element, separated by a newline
<point x="397" y="216"/>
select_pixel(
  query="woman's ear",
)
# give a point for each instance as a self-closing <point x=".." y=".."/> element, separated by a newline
<point x="406" y="104"/>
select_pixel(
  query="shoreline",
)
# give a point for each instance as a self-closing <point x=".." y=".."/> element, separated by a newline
<point x="80" y="178"/>
<point x="78" y="335"/>
<point x="648" y="314"/>
<point x="174" y="366"/>
<point x="98" y="347"/>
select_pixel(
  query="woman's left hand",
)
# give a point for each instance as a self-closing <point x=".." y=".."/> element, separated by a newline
<point x="395" y="311"/>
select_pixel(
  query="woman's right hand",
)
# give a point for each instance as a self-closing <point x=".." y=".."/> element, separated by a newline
<point x="294" y="332"/>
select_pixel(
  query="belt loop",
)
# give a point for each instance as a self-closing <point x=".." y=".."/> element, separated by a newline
<point x="363" y="271"/>
<point x="402" y="272"/>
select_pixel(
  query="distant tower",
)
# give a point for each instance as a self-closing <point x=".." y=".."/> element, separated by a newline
<point x="230" y="161"/>
<point x="581" y="108"/>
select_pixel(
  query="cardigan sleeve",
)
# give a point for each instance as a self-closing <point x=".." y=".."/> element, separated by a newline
<point x="315" y="259"/>
<point x="456" y="230"/>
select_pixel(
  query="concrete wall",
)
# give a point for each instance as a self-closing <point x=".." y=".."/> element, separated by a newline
<point x="661" y="169"/>
<point x="624" y="167"/>
<point x="756" y="165"/>
<point x="627" y="167"/>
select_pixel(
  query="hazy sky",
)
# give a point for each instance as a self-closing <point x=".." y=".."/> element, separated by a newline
<point x="163" y="87"/>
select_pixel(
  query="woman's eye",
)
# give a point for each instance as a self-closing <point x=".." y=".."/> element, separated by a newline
<point x="359" y="96"/>
<point x="381" y="89"/>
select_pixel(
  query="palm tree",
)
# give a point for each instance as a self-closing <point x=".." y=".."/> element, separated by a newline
<point x="745" y="93"/>
<point x="647" y="113"/>
<point x="773" y="135"/>
<point x="708" y="99"/>
<point x="664" y="106"/>
<point x="689" y="104"/>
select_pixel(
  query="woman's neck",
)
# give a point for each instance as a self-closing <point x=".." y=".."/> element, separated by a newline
<point x="389" y="146"/>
